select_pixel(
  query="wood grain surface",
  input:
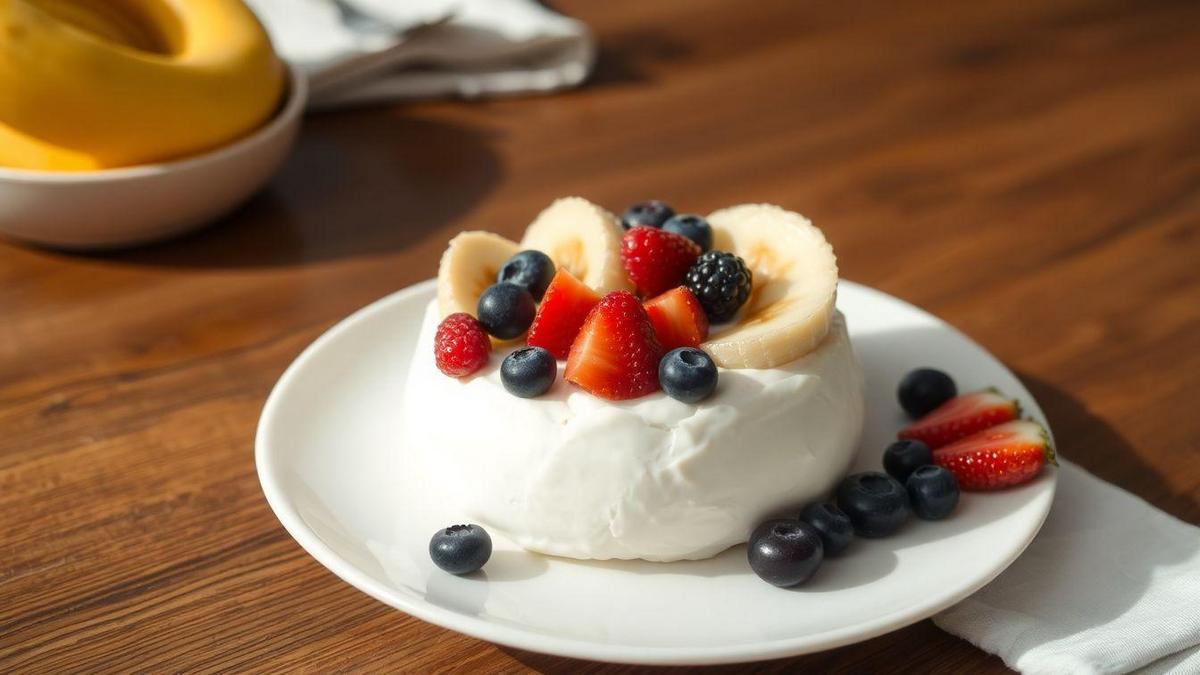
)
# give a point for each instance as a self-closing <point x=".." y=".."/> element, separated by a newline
<point x="1028" y="171"/>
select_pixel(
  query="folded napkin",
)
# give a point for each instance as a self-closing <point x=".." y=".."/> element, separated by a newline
<point x="1109" y="585"/>
<point x="362" y="51"/>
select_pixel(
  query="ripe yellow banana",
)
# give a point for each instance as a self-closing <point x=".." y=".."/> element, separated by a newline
<point x="89" y="84"/>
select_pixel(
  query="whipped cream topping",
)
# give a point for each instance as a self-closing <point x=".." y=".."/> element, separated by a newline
<point x="574" y="475"/>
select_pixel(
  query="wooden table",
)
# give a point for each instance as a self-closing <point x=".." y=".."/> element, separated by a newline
<point x="1028" y="171"/>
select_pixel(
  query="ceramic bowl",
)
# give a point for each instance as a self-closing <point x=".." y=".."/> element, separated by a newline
<point x="113" y="208"/>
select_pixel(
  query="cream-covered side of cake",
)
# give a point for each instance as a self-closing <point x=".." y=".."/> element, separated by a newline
<point x="574" y="475"/>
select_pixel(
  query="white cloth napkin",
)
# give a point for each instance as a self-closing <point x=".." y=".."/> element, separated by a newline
<point x="1110" y="585"/>
<point x="363" y="51"/>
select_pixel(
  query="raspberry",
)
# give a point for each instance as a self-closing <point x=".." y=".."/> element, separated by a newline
<point x="656" y="260"/>
<point x="461" y="346"/>
<point x="721" y="282"/>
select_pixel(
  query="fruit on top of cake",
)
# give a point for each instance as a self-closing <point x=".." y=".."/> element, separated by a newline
<point x="923" y="390"/>
<point x="656" y="260"/>
<point x="531" y="270"/>
<point x="691" y="226"/>
<point x="932" y="491"/>
<point x="460" y="346"/>
<point x="876" y="503"/>
<point x="505" y="310"/>
<point x="616" y="354"/>
<point x="650" y="213"/>
<point x="795" y="283"/>
<point x="1001" y="456"/>
<point x="832" y="524"/>
<point x="905" y="456"/>
<point x="460" y="549"/>
<point x="468" y="267"/>
<point x="582" y="238"/>
<point x="962" y="416"/>
<point x="93" y="85"/>
<point x="564" y="308"/>
<point x="687" y="374"/>
<point x="785" y="553"/>
<point x="528" y="372"/>
<point x="721" y="282"/>
<point x="678" y="319"/>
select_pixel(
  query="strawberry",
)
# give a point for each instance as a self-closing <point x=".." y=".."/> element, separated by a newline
<point x="460" y="346"/>
<point x="655" y="259"/>
<point x="616" y="354"/>
<point x="564" y="307"/>
<point x="678" y="319"/>
<point x="962" y="416"/>
<point x="999" y="457"/>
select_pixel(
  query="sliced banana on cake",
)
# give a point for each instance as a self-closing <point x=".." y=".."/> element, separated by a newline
<point x="795" y="286"/>
<point x="583" y="238"/>
<point x="468" y="267"/>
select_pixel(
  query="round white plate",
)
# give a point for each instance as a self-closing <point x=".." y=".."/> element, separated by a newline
<point x="332" y="466"/>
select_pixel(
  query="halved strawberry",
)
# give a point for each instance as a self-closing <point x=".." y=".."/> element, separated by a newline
<point x="1002" y="456"/>
<point x="655" y="259"/>
<point x="616" y="354"/>
<point x="678" y="319"/>
<point x="564" y="308"/>
<point x="962" y="416"/>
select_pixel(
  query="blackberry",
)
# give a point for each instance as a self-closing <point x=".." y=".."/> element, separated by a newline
<point x="721" y="282"/>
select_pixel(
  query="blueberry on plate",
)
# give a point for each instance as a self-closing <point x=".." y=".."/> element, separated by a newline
<point x="833" y="526"/>
<point x="785" y="552"/>
<point x="903" y="457"/>
<point x="924" y="389"/>
<point x="876" y="503"/>
<point x="693" y="227"/>
<point x="506" y="310"/>
<point x="687" y="374"/>
<point x="528" y="371"/>
<point x="651" y="213"/>
<point x="933" y="491"/>
<point x="531" y="270"/>
<point x="460" y="549"/>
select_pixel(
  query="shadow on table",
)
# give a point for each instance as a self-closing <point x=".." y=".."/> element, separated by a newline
<point x="624" y="57"/>
<point x="1092" y="443"/>
<point x="355" y="184"/>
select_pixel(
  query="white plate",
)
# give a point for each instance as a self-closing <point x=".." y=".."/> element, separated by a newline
<point x="331" y="464"/>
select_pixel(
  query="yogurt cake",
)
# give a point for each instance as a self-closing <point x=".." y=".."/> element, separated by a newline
<point x="619" y="458"/>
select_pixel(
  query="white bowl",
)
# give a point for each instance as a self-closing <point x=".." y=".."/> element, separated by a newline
<point x="111" y="208"/>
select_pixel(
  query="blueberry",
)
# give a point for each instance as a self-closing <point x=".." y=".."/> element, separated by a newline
<point x="833" y="526"/>
<point x="903" y="457"/>
<point x="528" y="372"/>
<point x="933" y="491"/>
<point x="687" y="374"/>
<point x="785" y="552"/>
<point x="506" y="310"/>
<point x="460" y="549"/>
<point x="875" y="502"/>
<point x="693" y="227"/>
<point x="652" y="213"/>
<point x="531" y="270"/>
<point x="924" y="389"/>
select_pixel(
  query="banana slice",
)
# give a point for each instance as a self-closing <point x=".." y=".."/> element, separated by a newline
<point x="795" y="286"/>
<point x="468" y="267"/>
<point x="583" y="238"/>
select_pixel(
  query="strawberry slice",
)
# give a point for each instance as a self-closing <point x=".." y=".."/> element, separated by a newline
<point x="962" y="416"/>
<point x="616" y="354"/>
<point x="999" y="457"/>
<point x="655" y="259"/>
<point x="678" y="319"/>
<point x="564" y="308"/>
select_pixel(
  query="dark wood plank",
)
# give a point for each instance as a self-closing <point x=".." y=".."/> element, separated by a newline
<point x="1028" y="171"/>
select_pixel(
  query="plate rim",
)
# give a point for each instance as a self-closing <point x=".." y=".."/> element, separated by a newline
<point x="281" y="504"/>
